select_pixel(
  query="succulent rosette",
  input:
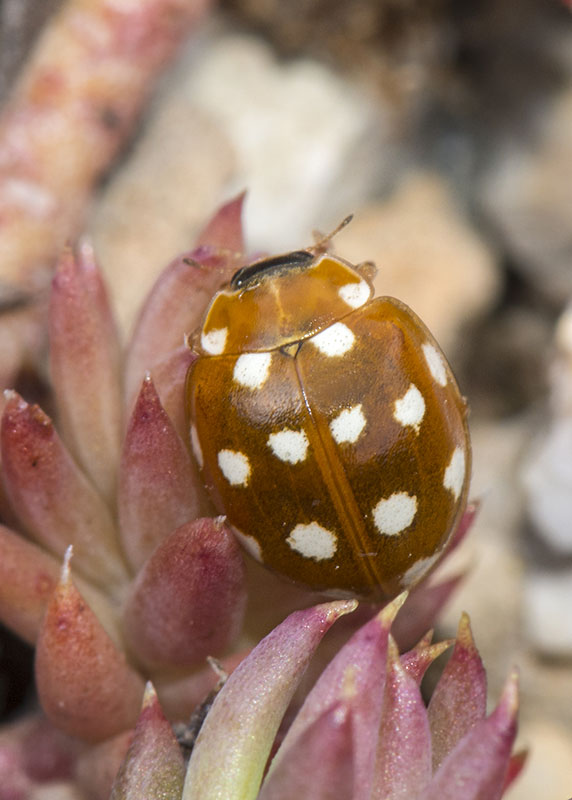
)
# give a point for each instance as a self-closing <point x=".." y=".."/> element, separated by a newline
<point x="363" y="731"/>
<point x="113" y="566"/>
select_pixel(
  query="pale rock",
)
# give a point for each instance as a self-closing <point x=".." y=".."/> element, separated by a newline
<point x="427" y="254"/>
<point x="547" y="478"/>
<point x="527" y="193"/>
<point x="547" y="470"/>
<point x="309" y="144"/>
<point x="547" y="599"/>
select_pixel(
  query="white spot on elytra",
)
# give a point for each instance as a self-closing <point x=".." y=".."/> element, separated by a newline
<point x="410" y="409"/>
<point x="290" y="446"/>
<point x="234" y="466"/>
<point x="435" y="363"/>
<point x="395" y="513"/>
<point x="418" y="569"/>
<point x="196" y="446"/>
<point x="214" y="341"/>
<point x="335" y="340"/>
<point x="348" y="425"/>
<point x="249" y="543"/>
<point x="355" y="294"/>
<point x="454" y="476"/>
<point x="313" y="541"/>
<point x="251" y="369"/>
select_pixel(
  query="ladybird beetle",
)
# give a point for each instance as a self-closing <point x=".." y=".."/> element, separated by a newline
<point x="327" y="425"/>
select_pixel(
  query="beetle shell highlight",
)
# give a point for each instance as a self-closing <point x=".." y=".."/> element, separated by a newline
<point x="328" y="426"/>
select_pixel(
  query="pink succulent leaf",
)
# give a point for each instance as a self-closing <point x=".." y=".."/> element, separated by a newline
<point x="416" y="661"/>
<point x="85" y="367"/>
<point x="169" y="376"/>
<point x="28" y="577"/>
<point x="403" y="764"/>
<point x="180" y="696"/>
<point x="47" y="753"/>
<point x="97" y="767"/>
<point x="15" y="783"/>
<point x="53" y="499"/>
<point x="159" y="489"/>
<point x="242" y="723"/>
<point x="188" y="600"/>
<point x="153" y="768"/>
<point x="516" y="764"/>
<point x="460" y="697"/>
<point x="319" y="765"/>
<point x="85" y="685"/>
<point x="360" y="664"/>
<point x="464" y="526"/>
<point x="224" y="230"/>
<point x="176" y="303"/>
<point x="424" y="604"/>
<point x="477" y="767"/>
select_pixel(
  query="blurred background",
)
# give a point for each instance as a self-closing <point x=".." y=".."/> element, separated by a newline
<point x="446" y="129"/>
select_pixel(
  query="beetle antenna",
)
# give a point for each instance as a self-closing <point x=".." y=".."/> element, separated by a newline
<point x="323" y="242"/>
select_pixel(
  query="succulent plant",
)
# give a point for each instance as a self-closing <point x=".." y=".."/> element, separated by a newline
<point x="152" y="583"/>
<point x="363" y="731"/>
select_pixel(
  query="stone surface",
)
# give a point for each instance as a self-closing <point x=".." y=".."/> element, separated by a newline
<point x="548" y="625"/>
<point x="527" y="194"/>
<point x="547" y="478"/>
<point x="309" y="145"/>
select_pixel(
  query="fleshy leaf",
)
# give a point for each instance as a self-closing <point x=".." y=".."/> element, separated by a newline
<point x="153" y="768"/>
<point x="85" y="364"/>
<point x="84" y="682"/>
<point x="97" y="767"/>
<point x="188" y="600"/>
<point x="28" y="577"/>
<point x="416" y="661"/>
<point x="463" y="527"/>
<point x="180" y="696"/>
<point x="476" y="769"/>
<point x="424" y="604"/>
<point x="403" y="764"/>
<point x="361" y="663"/>
<point x="460" y="697"/>
<point x="169" y="377"/>
<point x="47" y="753"/>
<point x="515" y="766"/>
<point x="158" y="487"/>
<point x="53" y="498"/>
<point x="180" y="296"/>
<point x="233" y="745"/>
<point x="224" y="230"/>
<point x="319" y="765"/>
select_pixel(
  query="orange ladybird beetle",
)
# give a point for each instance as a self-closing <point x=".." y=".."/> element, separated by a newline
<point x="327" y="425"/>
